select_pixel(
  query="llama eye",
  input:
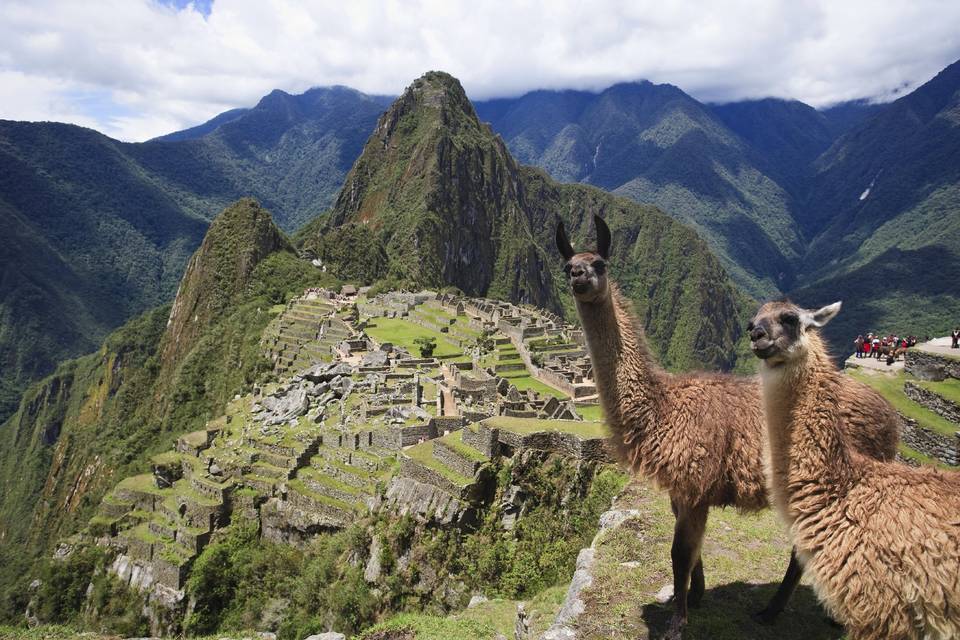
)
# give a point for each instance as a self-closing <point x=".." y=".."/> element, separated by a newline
<point x="566" y="269"/>
<point x="789" y="318"/>
<point x="749" y="327"/>
<point x="600" y="267"/>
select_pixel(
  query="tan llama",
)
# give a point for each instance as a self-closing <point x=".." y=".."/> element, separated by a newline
<point x="880" y="540"/>
<point x="698" y="436"/>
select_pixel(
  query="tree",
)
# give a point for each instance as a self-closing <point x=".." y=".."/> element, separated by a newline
<point x="427" y="345"/>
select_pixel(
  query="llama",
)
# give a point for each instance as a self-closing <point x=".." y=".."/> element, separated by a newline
<point x="880" y="540"/>
<point x="697" y="436"/>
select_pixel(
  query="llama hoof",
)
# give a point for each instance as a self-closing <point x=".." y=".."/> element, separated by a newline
<point x="675" y="628"/>
<point x="767" y="616"/>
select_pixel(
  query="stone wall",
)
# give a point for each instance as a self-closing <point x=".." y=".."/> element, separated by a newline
<point x="933" y="401"/>
<point x="410" y="468"/>
<point x="449" y="457"/>
<point x="483" y="439"/>
<point x="930" y="366"/>
<point x="941" y="447"/>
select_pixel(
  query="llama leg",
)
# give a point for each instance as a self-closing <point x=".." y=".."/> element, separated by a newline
<point x="685" y="553"/>
<point x="697" y="584"/>
<point x="787" y="586"/>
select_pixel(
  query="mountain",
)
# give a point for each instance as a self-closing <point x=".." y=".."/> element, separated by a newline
<point x="883" y="212"/>
<point x="98" y="230"/>
<point x="657" y="145"/>
<point x="96" y="418"/>
<point x="437" y="199"/>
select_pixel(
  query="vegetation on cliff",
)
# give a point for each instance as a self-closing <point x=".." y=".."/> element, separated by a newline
<point x="97" y="418"/>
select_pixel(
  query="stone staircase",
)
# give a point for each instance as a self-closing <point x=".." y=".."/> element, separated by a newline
<point x="304" y="334"/>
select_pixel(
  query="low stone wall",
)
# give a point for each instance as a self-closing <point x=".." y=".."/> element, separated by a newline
<point x="941" y="447"/>
<point x="451" y="458"/>
<point x="483" y="439"/>
<point x="415" y="433"/>
<point x="933" y="401"/>
<point x="594" y="449"/>
<point x="426" y="503"/>
<point x="443" y="424"/>
<point x="930" y="366"/>
<point x="170" y="574"/>
<point x="410" y="468"/>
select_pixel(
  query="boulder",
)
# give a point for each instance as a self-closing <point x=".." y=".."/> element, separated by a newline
<point x="329" y="635"/>
<point x="374" y="359"/>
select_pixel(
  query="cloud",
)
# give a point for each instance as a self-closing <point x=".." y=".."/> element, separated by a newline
<point x="139" y="68"/>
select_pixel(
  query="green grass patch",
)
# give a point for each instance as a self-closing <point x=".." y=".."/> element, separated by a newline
<point x="891" y="388"/>
<point x="592" y="412"/>
<point x="423" y="453"/>
<point x="949" y="388"/>
<point x="425" y="627"/>
<point x="525" y="381"/>
<point x="143" y="483"/>
<point x="455" y="441"/>
<point x="403" y="333"/>
<point x="299" y="487"/>
<point x="524" y="426"/>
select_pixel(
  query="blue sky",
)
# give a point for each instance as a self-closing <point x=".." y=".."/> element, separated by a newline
<point x="135" y="69"/>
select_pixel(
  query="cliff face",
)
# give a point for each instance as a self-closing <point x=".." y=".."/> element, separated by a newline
<point x="436" y="199"/>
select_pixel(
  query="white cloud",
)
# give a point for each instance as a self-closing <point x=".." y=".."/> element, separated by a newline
<point x="145" y="68"/>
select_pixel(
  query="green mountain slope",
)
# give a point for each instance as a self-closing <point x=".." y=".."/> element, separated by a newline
<point x="99" y="231"/>
<point x="884" y="215"/>
<point x="95" y="418"/>
<point x="437" y="199"/>
<point x="657" y="145"/>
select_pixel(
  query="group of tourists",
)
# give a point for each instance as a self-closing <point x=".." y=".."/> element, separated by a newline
<point x="876" y="346"/>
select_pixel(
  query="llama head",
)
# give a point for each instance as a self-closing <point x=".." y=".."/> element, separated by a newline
<point x="586" y="271"/>
<point x="778" y="330"/>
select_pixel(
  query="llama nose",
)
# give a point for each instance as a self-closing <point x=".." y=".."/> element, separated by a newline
<point x="757" y="333"/>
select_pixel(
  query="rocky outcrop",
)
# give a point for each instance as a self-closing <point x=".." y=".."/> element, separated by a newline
<point x="426" y="502"/>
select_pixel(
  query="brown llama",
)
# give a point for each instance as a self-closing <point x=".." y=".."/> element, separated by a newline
<point x="880" y="540"/>
<point x="698" y="436"/>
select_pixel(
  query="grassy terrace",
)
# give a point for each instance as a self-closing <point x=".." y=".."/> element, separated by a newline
<point x="891" y="388"/>
<point x="949" y="388"/>
<point x="299" y="487"/>
<point x="592" y="412"/>
<point x="526" y="426"/>
<point x="522" y="380"/>
<point x="423" y="453"/>
<point x="455" y="441"/>
<point x="403" y="333"/>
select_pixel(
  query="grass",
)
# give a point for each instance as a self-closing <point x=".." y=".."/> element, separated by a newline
<point x="455" y="441"/>
<point x="526" y="381"/>
<point x="593" y="412"/>
<point x="949" y="388"/>
<point x="502" y="614"/>
<point x="581" y="429"/>
<point x="424" y="627"/>
<point x="744" y="558"/>
<point x="301" y="488"/>
<point x="891" y="388"/>
<point x="423" y="453"/>
<point x="403" y="333"/>
<point x="143" y="483"/>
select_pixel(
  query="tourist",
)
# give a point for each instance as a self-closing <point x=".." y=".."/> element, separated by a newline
<point x="858" y="343"/>
<point x="955" y="336"/>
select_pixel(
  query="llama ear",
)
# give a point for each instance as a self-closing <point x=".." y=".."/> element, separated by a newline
<point x="603" y="237"/>
<point x="563" y="242"/>
<point x="821" y="316"/>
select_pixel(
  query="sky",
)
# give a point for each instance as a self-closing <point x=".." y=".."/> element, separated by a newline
<point x="136" y="69"/>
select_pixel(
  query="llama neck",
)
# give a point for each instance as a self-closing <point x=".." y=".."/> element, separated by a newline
<point x="808" y="461"/>
<point x="623" y="368"/>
